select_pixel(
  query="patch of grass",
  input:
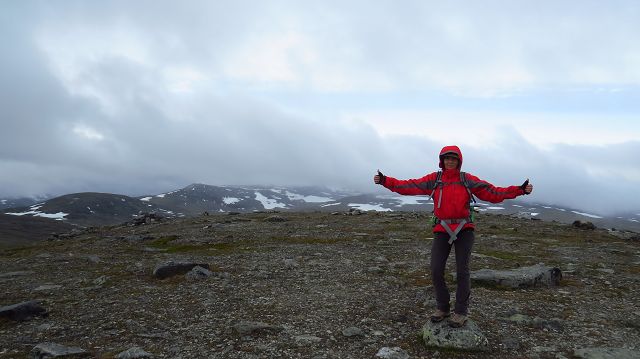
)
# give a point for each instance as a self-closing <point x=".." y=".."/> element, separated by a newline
<point x="163" y="242"/>
<point x="501" y="255"/>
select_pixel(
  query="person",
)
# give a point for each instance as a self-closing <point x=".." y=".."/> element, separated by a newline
<point x="452" y="192"/>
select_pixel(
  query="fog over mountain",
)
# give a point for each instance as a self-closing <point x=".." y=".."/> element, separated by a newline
<point x="147" y="97"/>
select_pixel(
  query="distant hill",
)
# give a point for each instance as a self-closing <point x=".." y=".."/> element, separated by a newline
<point x="21" y="230"/>
<point x="93" y="209"/>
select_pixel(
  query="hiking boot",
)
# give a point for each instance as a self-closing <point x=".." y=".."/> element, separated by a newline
<point x="439" y="315"/>
<point x="457" y="320"/>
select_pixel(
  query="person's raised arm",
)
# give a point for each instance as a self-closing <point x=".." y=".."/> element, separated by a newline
<point x="417" y="186"/>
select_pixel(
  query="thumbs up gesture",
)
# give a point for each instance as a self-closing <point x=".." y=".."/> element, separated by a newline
<point x="527" y="187"/>
<point x="379" y="178"/>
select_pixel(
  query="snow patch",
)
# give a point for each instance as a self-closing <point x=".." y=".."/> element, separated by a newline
<point x="161" y="195"/>
<point x="516" y="205"/>
<point x="634" y="220"/>
<point x="546" y="207"/>
<point x="586" y="214"/>
<point x="146" y="199"/>
<point x="369" y="207"/>
<point x="230" y="200"/>
<point x="494" y="207"/>
<point x="3" y="201"/>
<point x="406" y="200"/>
<point x="330" y="204"/>
<point x="309" y="199"/>
<point x="57" y="216"/>
<point x="269" y="203"/>
<point x="561" y="209"/>
<point x="534" y="214"/>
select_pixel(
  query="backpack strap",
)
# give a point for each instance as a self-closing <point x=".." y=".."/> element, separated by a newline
<point x="463" y="179"/>
<point x="435" y="186"/>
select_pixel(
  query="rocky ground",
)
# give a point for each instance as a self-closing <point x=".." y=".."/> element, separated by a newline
<point x="314" y="285"/>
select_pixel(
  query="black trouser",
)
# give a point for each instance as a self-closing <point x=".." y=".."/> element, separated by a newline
<point x="440" y="249"/>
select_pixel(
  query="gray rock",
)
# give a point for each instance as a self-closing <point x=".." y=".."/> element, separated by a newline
<point x="248" y="328"/>
<point x="302" y="340"/>
<point x="23" y="311"/>
<point x="46" y="287"/>
<point x="171" y="268"/>
<point x="441" y="335"/>
<point x="53" y="350"/>
<point x="524" y="277"/>
<point x="392" y="353"/>
<point x="353" y="332"/>
<point x="198" y="273"/>
<point x="553" y="323"/>
<point x="134" y="353"/>
<point x="275" y="218"/>
<point x="290" y="263"/>
<point x="606" y="353"/>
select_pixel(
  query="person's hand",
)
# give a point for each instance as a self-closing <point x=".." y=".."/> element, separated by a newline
<point x="379" y="178"/>
<point x="527" y="187"/>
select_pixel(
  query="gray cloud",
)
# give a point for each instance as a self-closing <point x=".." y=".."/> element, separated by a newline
<point x="104" y="115"/>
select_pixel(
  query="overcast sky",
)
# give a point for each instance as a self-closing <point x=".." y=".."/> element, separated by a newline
<point x="141" y="97"/>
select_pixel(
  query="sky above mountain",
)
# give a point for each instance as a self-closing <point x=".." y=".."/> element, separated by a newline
<point x="140" y="97"/>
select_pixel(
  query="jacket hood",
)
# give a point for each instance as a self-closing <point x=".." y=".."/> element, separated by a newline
<point x="450" y="149"/>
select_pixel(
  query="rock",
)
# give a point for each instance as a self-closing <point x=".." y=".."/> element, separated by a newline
<point x="47" y="287"/>
<point x="583" y="225"/>
<point x="247" y="328"/>
<point x="23" y="311"/>
<point x="145" y="218"/>
<point x="171" y="268"/>
<point x="302" y="340"/>
<point x="134" y="353"/>
<point x="554" y="323"/>
<point x="392" y="353"/>
<point x="524" y="277"/>
<point x="441" y="335"/>
<point x="53" y="350"/>
<point x="198" y="273"/>
<point x="606" y="353"/>
<point x="275" y="218"/>
<point x="353" y="332"/>
<point x="290" y="263"/>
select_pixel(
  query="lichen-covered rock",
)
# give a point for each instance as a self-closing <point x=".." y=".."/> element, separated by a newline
<point x="22" y="311"/>
<point x="606" y="353"/>
<point x="441" y="335"/>
<point x="134" y="353"/>
<point x="524" y="277"/>
<point x="392" y="353"/>
<point x="171" y="268"/>
<point x="53" y="350"/>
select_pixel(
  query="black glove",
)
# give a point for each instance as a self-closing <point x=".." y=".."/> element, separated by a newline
<point x="524" y="186"/>
<point x="382" y="177"/>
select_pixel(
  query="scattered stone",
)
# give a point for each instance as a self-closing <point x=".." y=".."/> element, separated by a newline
<point x="303" y="340"/>
<point x="606" y="353"/>
<point x="441" y="335"/>
<point x="134" y="353"/>
<point x="290" y="263"/>
<point x="247" y="328"/>
<point x="171" y="268"/>
<point x="275" y="218"/>
<point x="375" y="269"/>
<point x="524" y="277"/>
<point x="53" y="350"/>
<point x="145" y="218"/>
<point x="198" y="273"/>
<point x="583" y="225"/>
<point x="47" y="287"/>
<point x="100" y="280"/>
<point x="23" y="311"/>
<point x="353" y="332"/>
<point x="16" y="274"/>
<point x="392" y="353"/>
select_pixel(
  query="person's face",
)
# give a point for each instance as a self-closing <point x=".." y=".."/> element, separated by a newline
<point x="450" y="162"/>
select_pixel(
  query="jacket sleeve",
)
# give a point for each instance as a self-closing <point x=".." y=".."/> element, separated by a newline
<point x="490" y="193"/>
<point x="414" y="187"/>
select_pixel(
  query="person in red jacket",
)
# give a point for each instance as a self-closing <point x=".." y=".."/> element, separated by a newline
<point x="452" y="191"/>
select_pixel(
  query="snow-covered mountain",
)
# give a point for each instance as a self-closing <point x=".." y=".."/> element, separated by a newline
<point x="89" y="209"/>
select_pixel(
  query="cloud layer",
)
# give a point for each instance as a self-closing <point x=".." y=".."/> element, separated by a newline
<point x="144" y="97"/>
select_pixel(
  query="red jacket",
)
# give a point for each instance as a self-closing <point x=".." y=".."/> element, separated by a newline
<point x="455" y="198"/>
